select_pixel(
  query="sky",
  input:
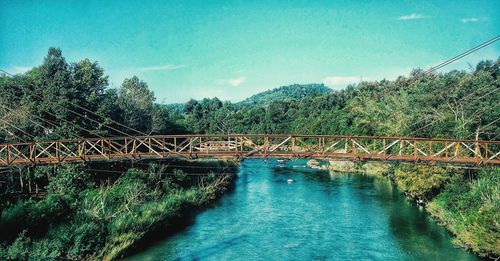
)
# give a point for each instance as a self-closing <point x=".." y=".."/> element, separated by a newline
<point x="234" y="49"/>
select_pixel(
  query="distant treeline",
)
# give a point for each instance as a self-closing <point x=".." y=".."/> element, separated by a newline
<point x="47" y="103"/>
<point x="457" y="104"/>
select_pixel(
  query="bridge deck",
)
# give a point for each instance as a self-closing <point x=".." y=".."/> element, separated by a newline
<point x="253" y="145"/>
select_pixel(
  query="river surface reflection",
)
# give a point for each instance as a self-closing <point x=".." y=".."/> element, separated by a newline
<point x="319" y="216"/>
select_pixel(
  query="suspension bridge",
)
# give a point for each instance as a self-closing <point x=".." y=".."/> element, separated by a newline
<point x="240" y="146"/>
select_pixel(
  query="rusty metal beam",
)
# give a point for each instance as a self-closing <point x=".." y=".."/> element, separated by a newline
<point x="253" y="145"/>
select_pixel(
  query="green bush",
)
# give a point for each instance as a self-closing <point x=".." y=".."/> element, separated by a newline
<point x="471" y="210"/>
<point x="20" y="249"/>
<point x="34" y="217"/>
<point x="421" y="181"/>
<point x="78" y="220"/>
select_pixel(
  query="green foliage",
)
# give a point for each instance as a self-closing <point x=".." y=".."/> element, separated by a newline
<point x="69" y="181"/>
<point x="471" y="210"/>
<point x="450" y="105"/>
<point x="78" y="206"/>
<point x="435" y="105"/>
<point x="136" y="102"/>
<point x="19" y="250"/>
<point x="291" y="92"/>
<point x="47" y="102"/>
<point x="79" y="220"/>
<point x="34" y="217"/>
<point x="421" y="181"/>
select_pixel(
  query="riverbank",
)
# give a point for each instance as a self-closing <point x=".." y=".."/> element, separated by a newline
<point x="83" y="217"/>
<point x="467" y="203"/>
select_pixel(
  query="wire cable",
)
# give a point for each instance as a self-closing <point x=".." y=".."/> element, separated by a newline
<point x="473" y="49"/>
<point x="465" y="98"/>
<point x="89" y="111"/>
<point x="433" y="122"/>
<point x="15" y="127"/>
<point x="55" y="116"/>
<point x="11" y="133"/>
<point x="34" y="122"/>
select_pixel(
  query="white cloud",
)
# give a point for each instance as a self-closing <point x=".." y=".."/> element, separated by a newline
<point x="233" y="81"/>
<point x="341" y="80"/>
<point x="19" y="69"/>
<point x="413" y="16"/>
<point x="471" y="20"/>
<point x="166" y="67"/>
<point x="237" y="81"/>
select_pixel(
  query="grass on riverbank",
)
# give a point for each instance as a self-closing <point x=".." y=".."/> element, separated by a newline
<point x="469" y="206"/>
<point x="471" y="211"/>
<point x="80" y="220"/>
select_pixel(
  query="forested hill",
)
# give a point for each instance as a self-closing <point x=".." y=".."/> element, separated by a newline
<point x="456" y="104"/>
<point x="290" y="92"/>
<point x="46" y="103"/>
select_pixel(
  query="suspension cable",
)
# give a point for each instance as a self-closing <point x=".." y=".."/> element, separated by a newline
<point x="15" y="127"/>
<point x="36" y="123"/>
<point x="89" y="111"/>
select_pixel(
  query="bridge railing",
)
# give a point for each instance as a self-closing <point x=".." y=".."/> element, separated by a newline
<point x="253" y="145"/>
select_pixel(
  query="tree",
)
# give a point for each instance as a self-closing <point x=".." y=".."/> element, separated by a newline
<point x="89" y="81"/>
<point x="136" y="103"/>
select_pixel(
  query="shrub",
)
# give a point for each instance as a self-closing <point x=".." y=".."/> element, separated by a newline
<point x="80" y="221"/>
<point x="471" y="211"/>
<point x="20" y="249"/>
<point x="421" y="181"/>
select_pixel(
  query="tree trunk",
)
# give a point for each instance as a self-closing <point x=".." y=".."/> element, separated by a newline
<point x="21" y="181"/>
<point x="29" y="180"/>
<point x="11" y="186"/>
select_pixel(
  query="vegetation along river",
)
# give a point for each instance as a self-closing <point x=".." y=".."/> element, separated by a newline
<point x="319" y="216"/>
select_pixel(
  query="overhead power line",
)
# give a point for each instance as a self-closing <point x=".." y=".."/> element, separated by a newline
<point x="437" y="120"/>
<point x="59" y="118"/>
<point x="36" y="123"/>
<point x="19" y="129"/>
<point x="473" y="49"/>
<point x="449" y="61"/>
<point x="478" y="47"/>
<point x="461" y="100"/>
<point x="432" y="69"/>
<point x="13" y="134"/>
<point x="71" y="123"/>
<point x="91" y="112"/>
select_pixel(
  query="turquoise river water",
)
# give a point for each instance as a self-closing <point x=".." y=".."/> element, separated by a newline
<point x="319" y="216"/>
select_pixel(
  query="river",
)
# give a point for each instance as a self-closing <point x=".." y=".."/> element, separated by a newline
<point x="319" y="216"/>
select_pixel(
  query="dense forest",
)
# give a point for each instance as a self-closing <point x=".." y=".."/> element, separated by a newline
<point x="56" y="213"/>
<point x="457" y="104"/>
<point x="59" y="100"/>
<point x="50" y="101"/>
<point x="291" y="92"/>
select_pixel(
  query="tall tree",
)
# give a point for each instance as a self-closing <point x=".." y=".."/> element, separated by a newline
<point x="136" y="103"/>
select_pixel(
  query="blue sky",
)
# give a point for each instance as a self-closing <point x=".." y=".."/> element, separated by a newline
<point x="233" y="49"/>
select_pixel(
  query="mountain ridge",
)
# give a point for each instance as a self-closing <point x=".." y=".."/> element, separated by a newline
<point x="292" y="92"/>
